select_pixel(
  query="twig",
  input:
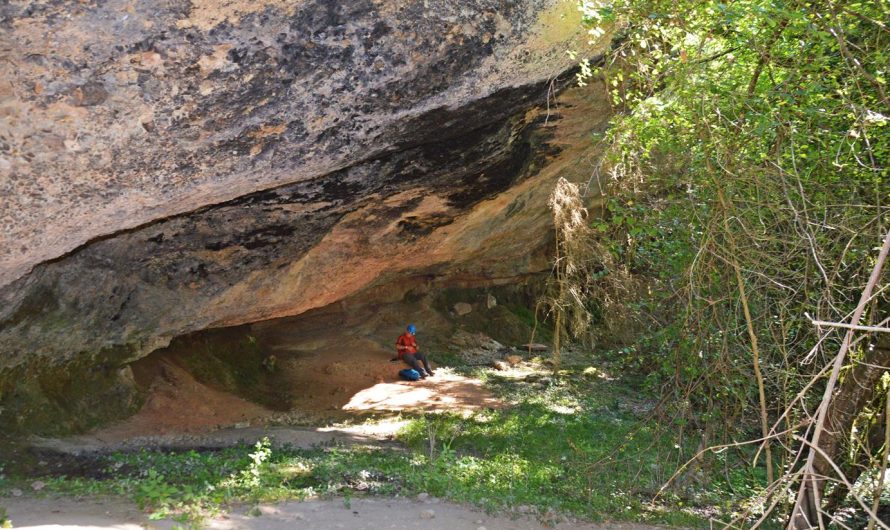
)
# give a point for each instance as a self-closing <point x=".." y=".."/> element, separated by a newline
<point x="755" y="349"/>
<point x="721" y="446"/>
<point x="856" y="327"/>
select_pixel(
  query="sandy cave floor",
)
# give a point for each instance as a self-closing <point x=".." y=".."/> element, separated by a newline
<point x="181" y="412"/>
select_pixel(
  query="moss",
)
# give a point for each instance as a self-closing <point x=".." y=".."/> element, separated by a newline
<point x="64" y="398"/>
<point x="560" y="23"/>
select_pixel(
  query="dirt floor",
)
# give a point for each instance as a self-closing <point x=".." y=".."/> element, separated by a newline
<point x="179" y="404"/>
<point x="332" y="514"/>
<point x="181" y="412"/>
<point x="329" y="366"/>
<point x="376" y="435"/>
<point x="357" y="377"/>
<point x="331" y="388"/>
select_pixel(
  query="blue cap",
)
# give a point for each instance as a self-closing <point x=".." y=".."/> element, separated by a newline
<point x="411" y="329"/>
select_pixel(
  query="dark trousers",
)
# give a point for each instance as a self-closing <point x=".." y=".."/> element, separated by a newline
<point x="414" y="359"/>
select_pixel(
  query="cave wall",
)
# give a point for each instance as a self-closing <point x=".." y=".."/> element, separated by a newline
<point x="167" y="167"/>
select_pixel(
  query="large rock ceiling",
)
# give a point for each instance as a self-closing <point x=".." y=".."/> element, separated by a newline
<point x="118" y="113"/>
<point x="170" y="166"/>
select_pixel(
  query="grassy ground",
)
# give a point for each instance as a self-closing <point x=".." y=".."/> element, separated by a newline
<point x="574" y="442"/>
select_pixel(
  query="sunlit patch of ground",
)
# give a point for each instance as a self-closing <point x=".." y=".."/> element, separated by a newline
<point x="384" y="429"/>
<point x="444" y="392"/>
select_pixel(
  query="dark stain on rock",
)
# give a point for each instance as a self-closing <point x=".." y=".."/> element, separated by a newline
<point x="120" y="309"/>
<point x="414" y="226"/>
<point x="493" y="179"/>
<point x="39" y="302"/>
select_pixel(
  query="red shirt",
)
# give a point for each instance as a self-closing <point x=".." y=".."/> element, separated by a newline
<point x="406" y="344"/>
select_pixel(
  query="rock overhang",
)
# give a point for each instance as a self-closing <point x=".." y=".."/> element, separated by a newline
<point x="118" y="114"/>
<point x="246" y="214"/>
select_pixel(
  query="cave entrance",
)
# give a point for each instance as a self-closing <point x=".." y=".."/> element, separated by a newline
<point x="328" y="365"/>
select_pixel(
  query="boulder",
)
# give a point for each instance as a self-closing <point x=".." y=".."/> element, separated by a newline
<point x="462" y="308"/>
<point x="490" y="301"/>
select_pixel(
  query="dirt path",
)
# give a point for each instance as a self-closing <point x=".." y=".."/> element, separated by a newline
<point x="335" y="514"/>
<point x="375" y="435"/>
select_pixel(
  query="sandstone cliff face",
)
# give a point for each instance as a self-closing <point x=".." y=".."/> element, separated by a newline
<point x="167" y="167"/>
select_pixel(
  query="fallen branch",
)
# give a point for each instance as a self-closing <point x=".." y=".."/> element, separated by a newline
<point x="876" y="329"/>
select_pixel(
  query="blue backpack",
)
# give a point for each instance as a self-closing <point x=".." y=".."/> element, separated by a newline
<point x="409" y="374"/>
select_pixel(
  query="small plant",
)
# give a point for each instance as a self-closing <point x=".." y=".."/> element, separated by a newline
<point x="5" y="521"/>
<point x="250" y="477"/>
<point x="154" y="491"/>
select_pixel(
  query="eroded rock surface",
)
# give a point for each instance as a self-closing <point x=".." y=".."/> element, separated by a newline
<point x="167" y="167"/>
<point x="119" y="113"/>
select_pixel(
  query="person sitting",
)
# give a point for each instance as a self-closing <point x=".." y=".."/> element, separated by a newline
<point x="408" y="351"/>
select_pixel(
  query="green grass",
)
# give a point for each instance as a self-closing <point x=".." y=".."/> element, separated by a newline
<point x="569" y="444"/>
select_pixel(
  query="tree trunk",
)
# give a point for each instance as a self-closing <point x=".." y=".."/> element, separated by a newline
<point x="839" y="408"/>
<point x="853" y="470"/>
<point x="856" y="391"/>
